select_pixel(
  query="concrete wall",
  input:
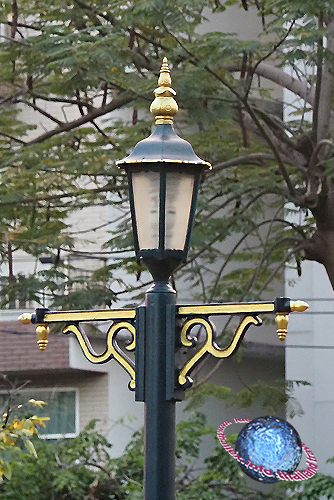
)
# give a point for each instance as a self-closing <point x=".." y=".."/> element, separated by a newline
<point x="309" y="357"/>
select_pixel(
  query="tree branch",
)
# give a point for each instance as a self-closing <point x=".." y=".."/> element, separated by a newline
<point x="251" y="158"/>
<point x="217" y="236"/>
<point x="320" y="56"/>
<point x="13" y="138"/>
<point x="249" y="110"/>
<point x="325" y="114"/>
<point x="62" y="100"/>
<point x="272" y="146"/>
<point x="319" y="146"/>
<point x="34" y="200"/>
<point x="117" y="102"/>
<point x="107" y="16"/>
<point x="24" y="25"/>
<point x="266" y="56"/>
<point x="281" y="78"/>
<point x="41" y="111"/>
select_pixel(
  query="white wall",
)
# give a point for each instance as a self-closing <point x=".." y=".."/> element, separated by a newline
<point x="309" y="357"/>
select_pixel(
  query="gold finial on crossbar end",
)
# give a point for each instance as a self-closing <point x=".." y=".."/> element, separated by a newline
<point x="42" y="330"/>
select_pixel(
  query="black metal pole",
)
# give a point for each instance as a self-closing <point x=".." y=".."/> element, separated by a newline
<point x="159" y="470"/>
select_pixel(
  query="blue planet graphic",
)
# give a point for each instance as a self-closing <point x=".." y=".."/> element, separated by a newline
<point x="270" y="442"/>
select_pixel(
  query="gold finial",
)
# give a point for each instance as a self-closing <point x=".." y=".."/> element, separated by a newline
<point x="282" y="320"/>
<point x="298" y="305"/>
<point x="164" y="106"/>
<point x="25" y="318"/>
<point x="42" y="331"/>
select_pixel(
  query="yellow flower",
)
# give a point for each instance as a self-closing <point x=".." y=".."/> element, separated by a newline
<point x="7" y="440"/>
<point x="18" y="424"/>
<point x="39" y="403"/>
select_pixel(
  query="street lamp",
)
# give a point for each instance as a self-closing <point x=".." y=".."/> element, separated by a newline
<point x="163" y="173"/>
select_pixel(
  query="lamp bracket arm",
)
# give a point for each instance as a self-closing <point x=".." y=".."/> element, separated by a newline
<point x="199" y="315"/>
<point x="209" y="346"/>
<point x="112" y="351"/>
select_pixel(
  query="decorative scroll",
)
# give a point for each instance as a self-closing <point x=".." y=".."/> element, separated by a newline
<point x="113" y="350"/>
<point x="209" y="346"/>
<point x="191" y="315"/>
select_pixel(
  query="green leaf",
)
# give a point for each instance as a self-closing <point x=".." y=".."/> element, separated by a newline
<point x="7" y="470"/>
<point x="30" y="447"/>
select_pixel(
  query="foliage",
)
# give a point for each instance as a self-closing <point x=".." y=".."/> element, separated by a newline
<point x="319" y="486"/>
<point x="274" y="398"/>
<point x="70" y="69"/>
<point x="16" y="435"/>
<point x="73" y="469"/>
<point x="80" y="469"/>
<point x="44" y="478"/>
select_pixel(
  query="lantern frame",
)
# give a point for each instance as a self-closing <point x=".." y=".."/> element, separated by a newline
<point x="168" y="258"/>
<point x="163" y="152"/>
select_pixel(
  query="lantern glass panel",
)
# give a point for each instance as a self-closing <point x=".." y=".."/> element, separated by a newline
<point x="146" y="189"/>
<point x="179" y="193"/>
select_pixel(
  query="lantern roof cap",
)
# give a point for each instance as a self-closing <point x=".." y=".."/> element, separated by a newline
<point x="163" y="145"/>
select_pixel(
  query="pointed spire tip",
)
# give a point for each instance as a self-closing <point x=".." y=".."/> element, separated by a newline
<point x="164" y="106"/>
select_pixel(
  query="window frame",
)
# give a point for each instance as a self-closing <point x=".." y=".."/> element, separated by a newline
<point x="38" y="394"/>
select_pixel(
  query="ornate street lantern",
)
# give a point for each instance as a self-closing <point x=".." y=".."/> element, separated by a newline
<point x="163" y="174"/>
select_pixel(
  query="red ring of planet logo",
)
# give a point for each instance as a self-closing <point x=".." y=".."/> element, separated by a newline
<point x="298" y="475"/>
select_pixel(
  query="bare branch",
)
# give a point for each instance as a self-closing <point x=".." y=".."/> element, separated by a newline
<point x="321" y="144"/>
<point x="320" y="56"/>
<point x="250" y="111"/>
<point x="103" y="134"/>
<point x="315" y="184"/>
<point x="209" y="70"/>
<point x="218" y="235"/>
<point x="281" y="78"/>
<point x="243" y="238"/>
<point x="117" y="102"/>
<point x="289" y="152"/>
<point x="266" y="56"/>
<point x="280" y="265"/>
<point x="105" y="15"/>
<point x="325" y="114"/>
<point x="13" y="138"/>
<point x="251" y="158"/>
<point x="24" y="25"/>
<point x="63" y="100"/>
<point x="15" y="16"/>
<point x="41" y="111"/>
<point x="272" y="146"/>
<point x="282" y="141"/>
<point x="34" y="200"/>
<point x="77" y="93"/>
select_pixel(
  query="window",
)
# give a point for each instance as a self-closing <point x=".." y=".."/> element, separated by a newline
<point x="61" y="407"/>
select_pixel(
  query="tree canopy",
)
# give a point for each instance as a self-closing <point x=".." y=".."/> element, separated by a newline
<point x="80" y="469"/>
<point x="76" y="83"/>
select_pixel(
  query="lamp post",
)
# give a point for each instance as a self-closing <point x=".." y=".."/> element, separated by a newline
<point x="163" y="174"/>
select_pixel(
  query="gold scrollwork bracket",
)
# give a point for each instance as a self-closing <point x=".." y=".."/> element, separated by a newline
<point x="209" y="346"/>
<point x="198" y="315"/>
<point x="112" y="351"/>
<point x="122" y="319"/>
